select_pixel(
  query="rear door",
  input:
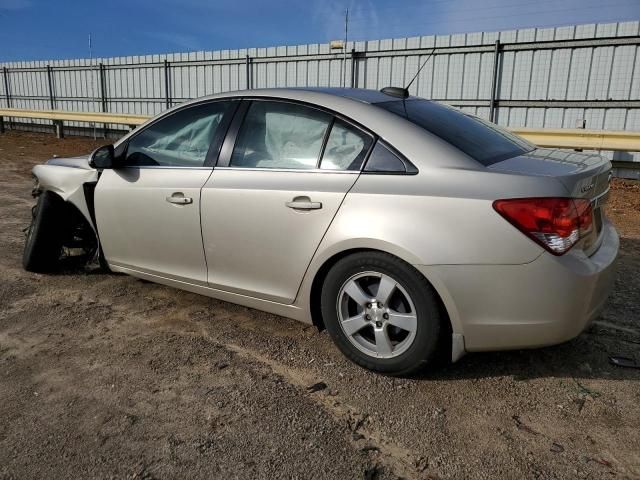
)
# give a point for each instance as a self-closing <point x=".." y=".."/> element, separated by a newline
<point x="284" y="171"/>
<point x="148" y="209"/>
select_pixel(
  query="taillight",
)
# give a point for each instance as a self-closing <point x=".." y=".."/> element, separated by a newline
<point x="555" y="223"/>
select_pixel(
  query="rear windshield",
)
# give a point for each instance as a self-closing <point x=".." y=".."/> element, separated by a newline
<point x="481" y="140"/>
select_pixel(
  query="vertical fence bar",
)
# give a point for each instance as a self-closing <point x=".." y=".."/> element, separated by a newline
<point x="354" y="65"/>
<point x="7" y="88"/>
<point x="103" y="95"/>
<point x="7" y="93"/>
<point x="103" y="87"/>
<point x="248" y="72"/>
<point x="494" y="83"/>
<point x="57" y="124"/>
<point x="2" y="119"/>
<point x="167" y="83"/>
<point x="52" y="94"/>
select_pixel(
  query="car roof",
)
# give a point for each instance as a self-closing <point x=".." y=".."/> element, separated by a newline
<point x="360" y="94"/>
<point x="311" y="94"/>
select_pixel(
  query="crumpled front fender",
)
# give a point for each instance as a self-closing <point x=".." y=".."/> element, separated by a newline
<point x="68" y="183"/>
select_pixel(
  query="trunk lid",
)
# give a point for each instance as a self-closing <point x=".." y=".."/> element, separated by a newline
<point x="585" y="175"/>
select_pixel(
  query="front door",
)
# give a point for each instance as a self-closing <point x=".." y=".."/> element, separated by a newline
<point x="266" y="208"/>
<point x="148" y="209"/>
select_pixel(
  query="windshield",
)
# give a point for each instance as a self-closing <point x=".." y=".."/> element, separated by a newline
<point x="483" y="141"/>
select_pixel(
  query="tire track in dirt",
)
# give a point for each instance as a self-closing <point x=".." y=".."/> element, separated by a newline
<point x="395" y="457"/>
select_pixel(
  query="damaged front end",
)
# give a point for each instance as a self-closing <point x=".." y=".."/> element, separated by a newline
<point x="67" y="178"/>
<point x="73" y="180"/>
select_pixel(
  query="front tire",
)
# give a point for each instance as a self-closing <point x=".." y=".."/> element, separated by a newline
<point x="43" y="245"/>
<point x="381" y="313"/>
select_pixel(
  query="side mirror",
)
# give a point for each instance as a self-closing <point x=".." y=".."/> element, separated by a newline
<point x="102" y="157"/>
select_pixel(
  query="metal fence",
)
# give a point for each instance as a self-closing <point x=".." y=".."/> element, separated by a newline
<point x="565" y="77"/>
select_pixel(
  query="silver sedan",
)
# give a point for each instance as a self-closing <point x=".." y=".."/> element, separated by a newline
<point x="406" y="228"/>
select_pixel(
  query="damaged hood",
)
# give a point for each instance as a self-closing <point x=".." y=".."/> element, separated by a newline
<point x="73" y="162"/>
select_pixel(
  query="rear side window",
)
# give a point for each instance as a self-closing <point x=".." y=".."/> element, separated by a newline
<point x="280" y="135"/>
<point x="481" y="140"/>
<point x="346" y="148"/>
<point x="181" y="139"/>
<point x="384" y="160"/>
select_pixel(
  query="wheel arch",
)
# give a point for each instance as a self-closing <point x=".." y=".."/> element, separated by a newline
<point x="72" y="211"/>
<point x="321" y="272"/>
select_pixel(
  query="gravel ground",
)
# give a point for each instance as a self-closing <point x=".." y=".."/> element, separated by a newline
<point x="107" y="376"/>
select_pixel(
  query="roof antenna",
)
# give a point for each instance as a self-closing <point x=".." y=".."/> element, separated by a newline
<point x="404" y="92"/>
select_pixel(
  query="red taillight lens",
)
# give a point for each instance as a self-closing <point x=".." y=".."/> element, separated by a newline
<point x="555" y="223"/>
<point x="585" y="215"/>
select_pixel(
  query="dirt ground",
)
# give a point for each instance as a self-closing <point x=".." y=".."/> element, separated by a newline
<point x="107" y="376"/>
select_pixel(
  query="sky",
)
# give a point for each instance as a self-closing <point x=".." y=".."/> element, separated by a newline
<point x="59" y="29"/>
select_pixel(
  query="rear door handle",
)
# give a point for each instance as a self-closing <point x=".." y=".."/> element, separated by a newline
<point x="179" y="199"/>
<point x="303" y="203"/>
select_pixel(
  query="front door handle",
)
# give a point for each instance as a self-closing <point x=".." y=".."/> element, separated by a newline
<point x="179" y="199"/>
<point x="303" y="203"/>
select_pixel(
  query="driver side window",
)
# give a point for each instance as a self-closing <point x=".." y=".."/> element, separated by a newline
<point x="180" y="140"/>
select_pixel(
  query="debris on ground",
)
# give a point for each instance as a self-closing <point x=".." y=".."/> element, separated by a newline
<point x="625" y="362"/>
<point x="316" y="387"/>
<point x="522" y="426"/>
<point x="601" y="461"/>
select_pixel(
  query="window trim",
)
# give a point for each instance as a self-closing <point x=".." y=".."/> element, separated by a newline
<point x="215" y="145"/>
<point x="224" y="158"/>
<point x="292" y="170"/>
<point x="325" y="140"/>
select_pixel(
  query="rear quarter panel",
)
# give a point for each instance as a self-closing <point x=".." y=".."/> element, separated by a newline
<point x="441" y="216"/>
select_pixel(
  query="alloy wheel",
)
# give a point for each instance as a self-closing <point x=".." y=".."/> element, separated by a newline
<point x="377" y="314"/>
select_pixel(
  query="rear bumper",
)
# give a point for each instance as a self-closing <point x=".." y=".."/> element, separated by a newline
<point x="545" y="302"/>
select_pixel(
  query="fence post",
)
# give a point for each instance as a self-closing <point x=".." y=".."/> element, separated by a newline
<point x="103" y="87"/>
<point x="2" y="121"/>
<point x="7" y="88"/>
<point x="57" y="125"/>
<point x="354" y="65"/>
<point x="248" y="72"/>
<point x="494" y="83"/>
<point x="103" y="95"/>
<point x="7" y="91"/>
<point x="167" y="83"/>
<point x="52" y="95"/>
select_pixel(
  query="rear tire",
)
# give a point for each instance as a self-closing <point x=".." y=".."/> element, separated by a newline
<point x="382" y="313"/>
<point x="43" y="245"/>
